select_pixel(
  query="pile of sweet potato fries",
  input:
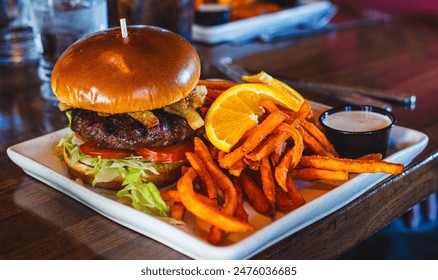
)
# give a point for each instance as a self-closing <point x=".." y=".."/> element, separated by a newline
<point x="261" y="169"/>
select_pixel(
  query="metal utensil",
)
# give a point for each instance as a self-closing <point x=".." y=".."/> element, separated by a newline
<point x="235" y="72"/>
<point x="354" y="95"/>
<point x="396" y="98"/>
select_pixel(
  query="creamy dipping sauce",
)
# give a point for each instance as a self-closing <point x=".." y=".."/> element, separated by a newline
<point x="357" y="121"/>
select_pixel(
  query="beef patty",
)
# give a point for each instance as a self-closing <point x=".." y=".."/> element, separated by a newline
<point x="121" y="131"/>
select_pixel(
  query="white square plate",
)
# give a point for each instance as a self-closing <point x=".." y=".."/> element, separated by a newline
<point x="37" y="159"/>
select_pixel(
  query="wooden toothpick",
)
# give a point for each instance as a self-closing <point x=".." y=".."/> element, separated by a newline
<point x="124" y="28"/>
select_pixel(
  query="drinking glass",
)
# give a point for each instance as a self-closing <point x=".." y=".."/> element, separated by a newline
<point x="58" y="24"/>
<point x="174" y="15"/>
<point x="16" y="37"/>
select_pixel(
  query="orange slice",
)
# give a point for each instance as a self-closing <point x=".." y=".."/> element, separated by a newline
<point x="265" y="78"/>
<point x="237" y="110"/>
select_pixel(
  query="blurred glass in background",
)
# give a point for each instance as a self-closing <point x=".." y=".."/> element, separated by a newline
<point x="16" y="37"/>
<point x="173" y="15"/>
<point x="58" y="24"/>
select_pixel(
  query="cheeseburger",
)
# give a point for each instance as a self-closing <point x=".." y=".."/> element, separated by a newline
<point x="132" y="104"/>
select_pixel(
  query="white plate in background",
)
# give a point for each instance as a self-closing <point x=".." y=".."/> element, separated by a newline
<point x="309" y="16"/>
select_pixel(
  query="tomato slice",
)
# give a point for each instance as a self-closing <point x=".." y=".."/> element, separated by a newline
<point x="168" y="154"/>
<point x="81" y="137"/>
<point x="90" y="149"/>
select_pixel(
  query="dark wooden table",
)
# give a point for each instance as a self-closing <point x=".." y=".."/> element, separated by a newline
<point x="38" y="222"/>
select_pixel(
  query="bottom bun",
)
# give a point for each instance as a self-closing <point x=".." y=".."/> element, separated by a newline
<point x="168" y="174"/>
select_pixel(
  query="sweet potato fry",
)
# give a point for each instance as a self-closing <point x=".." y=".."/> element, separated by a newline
<point x="293" y="193"/>
<point x="304" y="111"/>
<point x="376" y="156"/>
<point x="269" y="105"/>
<point x="220" y="154"/>
<point x="298" y="147"/>
<point x="282" y="201"/>
<point x="204" y="211"/>
<point x="312" y="143"/>
<point x="212" y="94"/>
<point x="204" y="154"/>
<point x="251" y="164"/>
<point x="255" y="195"/>
<point x="240" y="210"/>
<point x="268" y="183"/>
<point x="170" y="196"/>
<point x="184" y="169"/>
<point x="237" y="168"/>
<point x="215" y="235"/>
<point x="278" y="153"/>
<point x="222" y="180"/>
<point x="204" y="111"/>
<point x="291" y="158"/>
<point x="351" y="165"/>
<point x="262" y="130"/>
<point x="217" y="84"/>
<point x="177" y="211"/>
<point x="203" y="173"/>
<point x="173" y="196"/>
<point x="281" y="170"/>
<point x="268" y="146"/>
<point x="319" y="174"/>
<point x="215" y="87"/>
<point x="319" y="136"/>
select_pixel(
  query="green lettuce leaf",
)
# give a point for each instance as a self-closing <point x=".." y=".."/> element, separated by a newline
<point x="144" y="196"/>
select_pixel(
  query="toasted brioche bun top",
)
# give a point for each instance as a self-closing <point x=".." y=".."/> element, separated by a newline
<point x="104" y="72"/>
